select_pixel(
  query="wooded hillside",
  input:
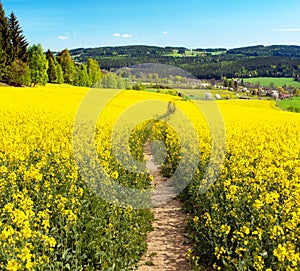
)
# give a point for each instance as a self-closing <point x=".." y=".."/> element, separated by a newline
<point x="254" y="61"/>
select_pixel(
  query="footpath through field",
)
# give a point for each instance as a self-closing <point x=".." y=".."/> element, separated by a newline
<point x="167" y="244"/>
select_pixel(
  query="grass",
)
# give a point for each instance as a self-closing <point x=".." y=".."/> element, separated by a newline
<point x="195" y="94"/>
<point x="290" y="105"/>
<point x="193" y="53"/>
<point x="217" y="53"/>
<point x="149" y="263"/>
<point x="266" y="81"/>
<point x="153" y="254"/>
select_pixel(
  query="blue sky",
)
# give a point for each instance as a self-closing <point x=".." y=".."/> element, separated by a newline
<point x="60" y="24"/>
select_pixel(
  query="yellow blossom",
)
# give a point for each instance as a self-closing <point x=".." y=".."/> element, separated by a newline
<point x="13" y="265"/>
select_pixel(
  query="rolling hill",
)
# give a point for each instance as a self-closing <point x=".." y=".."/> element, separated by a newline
<point x="253" y="61"/>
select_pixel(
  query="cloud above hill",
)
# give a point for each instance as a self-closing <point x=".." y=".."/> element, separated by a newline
<point x="122" y="35"/>
<point x="61" y="37"/>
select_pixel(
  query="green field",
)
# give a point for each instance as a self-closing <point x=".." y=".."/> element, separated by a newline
<point x="193" y="53"/>
<point x="187" y="53"/>
<point x="290" y="105"/>
<point x="198" y="94"/>
<point x="266" y="81"/>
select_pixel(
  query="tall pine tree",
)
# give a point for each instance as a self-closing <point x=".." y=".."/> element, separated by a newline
<point x="5" y="46"/>
<point x="55" y="73"/>
<point x="67" y="65"/>
<point x="18" y="41"/>
<point x="52" y="71"/>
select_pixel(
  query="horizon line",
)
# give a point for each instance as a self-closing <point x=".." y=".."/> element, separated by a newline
<point x="178" y="46"/>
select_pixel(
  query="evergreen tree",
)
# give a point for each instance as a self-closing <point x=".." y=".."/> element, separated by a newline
<point x="94" y="71"/>
<point x="55" y="72"/>
<point x="49" y="54"/>
<point x="5" y="46"/>
<point x="2" y="61"/>
<point x="52" y="71"/>
<point x="18" y="41"/>
<point x="38" y="65"/>
<point x="67" y="65"/>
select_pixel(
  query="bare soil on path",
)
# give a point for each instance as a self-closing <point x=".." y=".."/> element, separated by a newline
<point x="167" y="244"/>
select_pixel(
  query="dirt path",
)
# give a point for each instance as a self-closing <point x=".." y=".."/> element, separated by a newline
<point x="167" y="243"/>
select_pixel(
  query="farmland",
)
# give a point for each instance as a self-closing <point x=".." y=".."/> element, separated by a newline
<point x="49" y="219"/>
<point x="289" y="104"/>
<point x="276" y="82"/>
<point x="248" y="219"/>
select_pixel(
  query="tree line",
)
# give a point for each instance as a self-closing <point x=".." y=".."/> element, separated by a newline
<point x="21" y="64"/>
<point x="254" y="61"/>
<point x="63" y="69"/>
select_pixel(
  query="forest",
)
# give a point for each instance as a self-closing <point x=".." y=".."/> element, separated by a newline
<point x="254" y="61"/>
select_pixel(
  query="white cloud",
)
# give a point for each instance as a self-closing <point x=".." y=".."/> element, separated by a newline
<point x="126" y="35"/>
<point x="165" y="32"/>
<point x="287" y="30"/>
<point x="122" y="35"/>
<point x="63" y="37"/>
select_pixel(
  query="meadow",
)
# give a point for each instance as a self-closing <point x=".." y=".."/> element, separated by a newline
<point x="198" y="94"/>
<point x="277" y="82"/>
<point x="52" y="219"/>
<point x="290" y="105"/>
